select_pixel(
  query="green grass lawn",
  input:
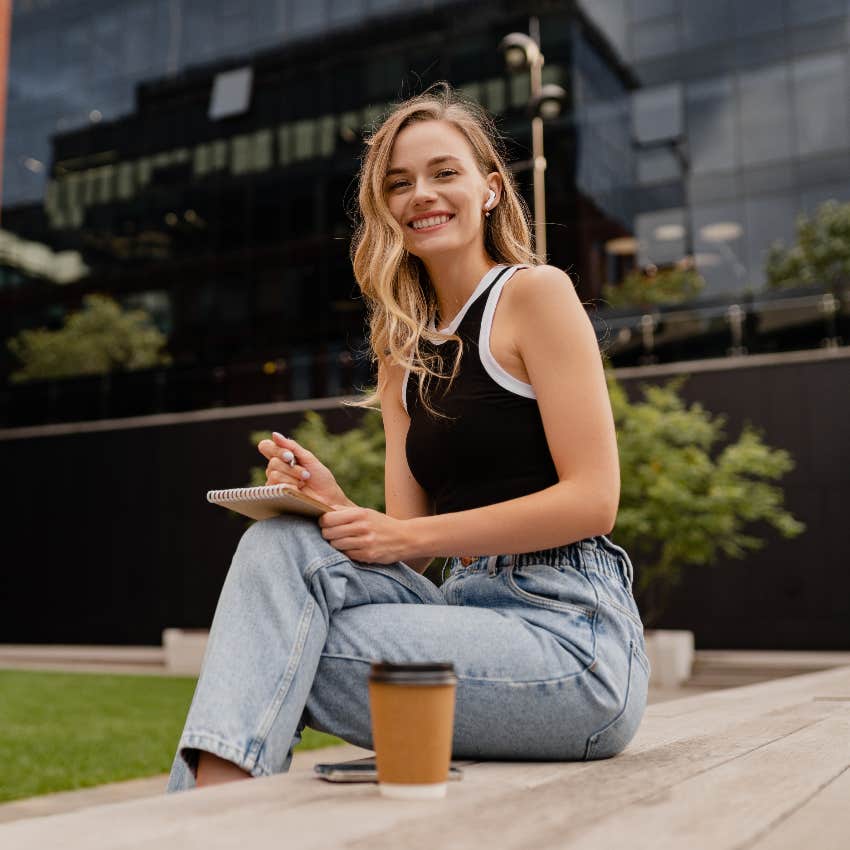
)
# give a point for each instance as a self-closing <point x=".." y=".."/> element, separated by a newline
<point x="74" y="730"/>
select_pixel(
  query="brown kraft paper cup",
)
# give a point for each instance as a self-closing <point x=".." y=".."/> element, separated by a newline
<point x="412" y="708"/>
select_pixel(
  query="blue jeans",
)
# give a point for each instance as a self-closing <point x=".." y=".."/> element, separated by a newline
<point x="547" y="646"/>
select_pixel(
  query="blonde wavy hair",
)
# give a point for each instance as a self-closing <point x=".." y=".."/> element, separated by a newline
<point x="400" y="300"/>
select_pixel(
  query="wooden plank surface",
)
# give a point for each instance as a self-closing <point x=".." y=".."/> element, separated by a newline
<point x="821" y="822"/>
<point x="736" y="801"/>
<point x="60" y="802"/>
<point x="742" y="767"/>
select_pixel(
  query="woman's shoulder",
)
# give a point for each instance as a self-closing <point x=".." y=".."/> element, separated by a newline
<point x="536" y="288"/>
<point x="541" y="273"/>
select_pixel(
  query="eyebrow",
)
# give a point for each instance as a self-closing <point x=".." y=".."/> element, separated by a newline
<point x="432" y="161"/>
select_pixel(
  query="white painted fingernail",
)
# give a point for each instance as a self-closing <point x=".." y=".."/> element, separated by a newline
<point x="304" y="474"/>
<point x="287" y="455"/>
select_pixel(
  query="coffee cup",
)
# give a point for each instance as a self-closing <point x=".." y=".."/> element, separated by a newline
<point x="412" y="708"/>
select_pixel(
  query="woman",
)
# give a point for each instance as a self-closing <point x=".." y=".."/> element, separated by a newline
<point x="511" y="453"/>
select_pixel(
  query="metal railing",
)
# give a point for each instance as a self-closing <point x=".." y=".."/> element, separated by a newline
<point x="734" y="327"/>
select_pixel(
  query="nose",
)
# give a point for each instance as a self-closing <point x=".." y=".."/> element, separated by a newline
<point x="422" y="192"/>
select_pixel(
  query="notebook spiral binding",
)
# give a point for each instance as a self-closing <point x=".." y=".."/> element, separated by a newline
<point x="251" y="494"/>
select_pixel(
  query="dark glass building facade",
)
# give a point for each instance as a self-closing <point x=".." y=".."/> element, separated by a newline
<point x="198" y="159"/>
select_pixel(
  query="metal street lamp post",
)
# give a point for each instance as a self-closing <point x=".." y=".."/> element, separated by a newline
<point x="522" y="52"/>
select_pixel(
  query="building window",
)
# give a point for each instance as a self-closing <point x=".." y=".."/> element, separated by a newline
<point x="304" y="139"/>
<point x="765" y="117"/>
<point x="657" y="113"/>
<point x="820" y="103"/>
<point x="231" y="93"/>
<point x="711" y="125"/>
<point x="706" y="23"/>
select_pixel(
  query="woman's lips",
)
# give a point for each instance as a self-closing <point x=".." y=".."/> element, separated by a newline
<point x="432" y="228"/>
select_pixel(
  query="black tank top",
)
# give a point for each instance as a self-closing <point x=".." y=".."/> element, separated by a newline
<point x="495" y="449"/>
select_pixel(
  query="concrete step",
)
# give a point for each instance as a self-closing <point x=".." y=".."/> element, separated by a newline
<point x="84" y="659"/>
<point x="801" y="661"/>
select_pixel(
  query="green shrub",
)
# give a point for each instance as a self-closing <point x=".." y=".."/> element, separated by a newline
<point x="684" y="500"/>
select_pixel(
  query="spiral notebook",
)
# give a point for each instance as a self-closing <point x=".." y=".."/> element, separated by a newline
<point x="268" y="501"/>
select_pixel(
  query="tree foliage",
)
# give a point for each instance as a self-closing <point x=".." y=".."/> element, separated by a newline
<point x="821" y="254"/>
<point x="100" y="338"/>
<point x="642" y="288"/>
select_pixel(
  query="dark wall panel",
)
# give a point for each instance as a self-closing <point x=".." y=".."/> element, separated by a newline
<point x="127" y="545"/>
<point x="792" y="594"/>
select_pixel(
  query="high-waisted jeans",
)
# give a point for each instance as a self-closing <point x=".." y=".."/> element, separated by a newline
<point x="547" y="646"/>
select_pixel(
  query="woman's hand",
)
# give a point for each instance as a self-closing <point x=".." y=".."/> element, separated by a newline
<point x="366" y="535"/>
<point x="291" y="463"/>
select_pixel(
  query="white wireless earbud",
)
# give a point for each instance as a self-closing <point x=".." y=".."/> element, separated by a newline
<point x="490" y="200"/>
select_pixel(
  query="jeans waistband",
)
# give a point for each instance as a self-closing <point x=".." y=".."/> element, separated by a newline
<point x="609" y="557"/>
<point x="606" y="557"/>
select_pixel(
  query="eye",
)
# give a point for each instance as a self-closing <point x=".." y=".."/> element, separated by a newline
<point x="440" y="173"/>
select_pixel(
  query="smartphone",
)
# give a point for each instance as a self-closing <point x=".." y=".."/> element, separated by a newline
<point x="361" y="770"/>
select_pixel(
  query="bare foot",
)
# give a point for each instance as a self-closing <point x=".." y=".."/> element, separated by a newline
<point x="213" y="770"/>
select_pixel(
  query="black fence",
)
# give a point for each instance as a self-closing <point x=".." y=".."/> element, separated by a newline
<point x="108" y="537"/>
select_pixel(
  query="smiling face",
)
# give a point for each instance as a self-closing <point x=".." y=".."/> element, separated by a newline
<point x="434" y="180"/>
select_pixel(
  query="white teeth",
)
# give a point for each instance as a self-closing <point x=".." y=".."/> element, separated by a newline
<point x="430" y="222"/>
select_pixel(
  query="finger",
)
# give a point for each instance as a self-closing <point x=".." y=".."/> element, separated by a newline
<point x="279" y="478"/>
<point x="268" y="449"/>
<point x="346" y="528"/>
<point x="276" y="465"/>
<point x="279" y="471"/>
<point x="271" y="450"/>
<point x="281" y="458"/>
<point x="347" y="544"/>
<point x="275" y="458"/>
<point x="337" y="517"/>
<point x="280" y="465"/>
<point x="292" y="445"/>
<point x="283" y="478"/>
<point x="334" y="532"/>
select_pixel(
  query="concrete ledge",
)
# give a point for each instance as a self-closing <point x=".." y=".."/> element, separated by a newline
<point x="671" y="656"/>
<point x="768" y="659"/>
<point x="184" y="650"/>
<point x="152" y="656"/>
